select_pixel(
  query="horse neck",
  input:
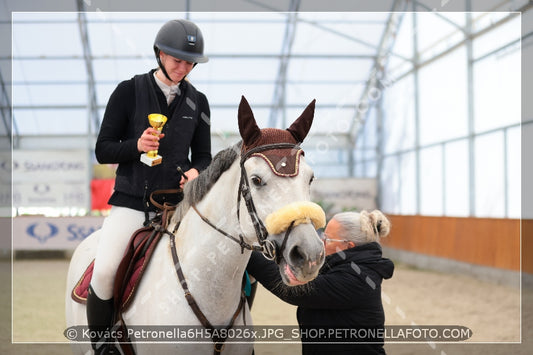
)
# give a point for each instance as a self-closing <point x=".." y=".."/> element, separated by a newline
<point x="212" y="263"/>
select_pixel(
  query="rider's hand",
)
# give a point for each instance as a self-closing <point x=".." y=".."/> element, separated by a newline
<point x="149" y="140"/>
<point x="191" y="175"/>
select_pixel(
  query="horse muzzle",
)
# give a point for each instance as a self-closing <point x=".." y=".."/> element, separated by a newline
<point x="305" y="253"/>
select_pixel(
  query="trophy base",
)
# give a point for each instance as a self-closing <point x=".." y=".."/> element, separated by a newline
<point x="151" y="161"/>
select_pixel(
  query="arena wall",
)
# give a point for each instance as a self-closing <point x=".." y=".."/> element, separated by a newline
<point x="502" y="245"/>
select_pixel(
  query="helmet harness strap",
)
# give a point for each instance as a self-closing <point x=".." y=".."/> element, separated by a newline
<point x="161" y="66"/>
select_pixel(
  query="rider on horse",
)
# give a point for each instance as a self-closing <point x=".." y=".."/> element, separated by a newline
<point x="125" y="134"/>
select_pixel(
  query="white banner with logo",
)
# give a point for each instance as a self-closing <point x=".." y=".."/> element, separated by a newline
<point x="52" y="233"/>
<point x="51" y="179"/>
<point x="337" y="195"/>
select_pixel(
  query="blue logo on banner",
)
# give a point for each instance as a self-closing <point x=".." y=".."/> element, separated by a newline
<point x="42" y="231"/>
<point x="80" y="232"/>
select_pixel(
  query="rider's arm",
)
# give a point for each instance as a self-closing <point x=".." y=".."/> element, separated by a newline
<point x="116" y="142"/>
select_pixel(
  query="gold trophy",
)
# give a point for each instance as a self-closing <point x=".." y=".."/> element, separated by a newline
<point x="157" y="121"/>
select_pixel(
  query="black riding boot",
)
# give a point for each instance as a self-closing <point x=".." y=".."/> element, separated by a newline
<point x="99" y="319"/>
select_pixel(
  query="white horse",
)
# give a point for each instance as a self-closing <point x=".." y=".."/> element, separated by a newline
<point x="272" y="169"/>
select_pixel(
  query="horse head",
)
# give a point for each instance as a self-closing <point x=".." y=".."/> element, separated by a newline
<point x="275" y="188"/>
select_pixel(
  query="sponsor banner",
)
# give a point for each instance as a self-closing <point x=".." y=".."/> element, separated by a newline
<point x="56" y="233"/>
<point x="50" y="165"/>
<point x="51" y="178"/>
<point x="336" y="195"/>
<point x="50" y="194"/>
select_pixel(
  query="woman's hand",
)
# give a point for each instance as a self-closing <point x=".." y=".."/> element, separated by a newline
<point x="191" y="174"/>
<point x="149" y="140"/>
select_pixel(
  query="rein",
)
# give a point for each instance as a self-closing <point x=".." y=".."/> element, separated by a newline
<point x="269" y="249"/>
<point x="218" y="342"/>
<point x="239" y="241"/>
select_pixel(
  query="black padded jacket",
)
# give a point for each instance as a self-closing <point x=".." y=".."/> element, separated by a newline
<point x="187" y="141"/>
<point x="345" y="296"/>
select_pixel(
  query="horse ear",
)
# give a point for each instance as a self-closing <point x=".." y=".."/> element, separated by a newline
<point x="302" y="125"/>
<point x="247" y="125"/>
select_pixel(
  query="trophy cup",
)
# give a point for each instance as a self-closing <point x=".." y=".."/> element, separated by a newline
<point x="157" y="121"/>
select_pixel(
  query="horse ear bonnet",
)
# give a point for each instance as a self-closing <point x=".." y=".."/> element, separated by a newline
<point x="247" y="125"/>
<point x="283" y="162"/>
<point x="302" y="125"/>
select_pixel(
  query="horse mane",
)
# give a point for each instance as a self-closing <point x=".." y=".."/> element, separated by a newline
<point x="196" y="190"/>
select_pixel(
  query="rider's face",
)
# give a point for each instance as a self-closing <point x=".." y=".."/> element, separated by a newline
<point x="176" y="68"/>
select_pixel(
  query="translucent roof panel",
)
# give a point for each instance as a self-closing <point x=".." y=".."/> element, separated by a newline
<point x="345" y="34"/>
<point x="222" y="94"/>
<point x="240" y="38"/>
<point x="444" y="32"/>
<point x="246" y="70"/>
<point x="330" y="95"/>
<point x="50" y="94"/>
<point x="328" y="57"/>
<point x="43" y="39"/>
<point x="326" y="70"/>
<point x="117" y="70"/>
<point x="49" y="70"/>
<point x="38" y="121"/>
<point x="122" y="39"/>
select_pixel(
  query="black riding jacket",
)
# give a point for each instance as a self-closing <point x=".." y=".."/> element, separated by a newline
<point x="125" y="119"/>
<point x="345" y="295"/>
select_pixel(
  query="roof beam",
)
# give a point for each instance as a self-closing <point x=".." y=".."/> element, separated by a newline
<point x="378" y="70"/>
<point x="84" y="35"/>
<point x="279" y="96"/>
<point x="467" y="38"/>
<point x="213" y="55"/>
<point x="351" y="38"/>
<point x="5" y="104"/>
<point x="212" y="105"/>
<point x="439" y="15"/>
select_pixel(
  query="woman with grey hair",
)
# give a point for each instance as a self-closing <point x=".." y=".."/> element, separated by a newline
<point x="340" y="311"/>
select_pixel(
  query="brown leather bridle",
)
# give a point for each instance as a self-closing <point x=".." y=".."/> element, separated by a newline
<point x="269" y="249"/>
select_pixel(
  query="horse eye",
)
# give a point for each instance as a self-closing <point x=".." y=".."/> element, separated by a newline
<point x="312" y="179"/>
<point x="257" y="181"/>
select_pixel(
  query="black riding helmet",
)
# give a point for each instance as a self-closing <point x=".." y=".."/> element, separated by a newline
<point x="180" y="39"/>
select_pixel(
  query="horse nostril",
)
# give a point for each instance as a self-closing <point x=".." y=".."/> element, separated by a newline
<point x="296" y="256"/>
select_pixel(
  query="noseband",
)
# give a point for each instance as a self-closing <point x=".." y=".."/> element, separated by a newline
<point x="270" y="250"/>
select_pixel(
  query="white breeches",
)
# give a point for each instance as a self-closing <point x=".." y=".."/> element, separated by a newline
<point x="115" y="234"/>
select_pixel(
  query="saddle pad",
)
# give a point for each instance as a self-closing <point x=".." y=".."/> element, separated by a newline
<point x="80" y="291"/>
